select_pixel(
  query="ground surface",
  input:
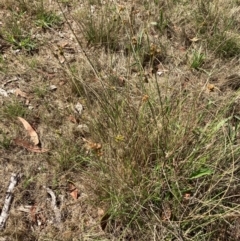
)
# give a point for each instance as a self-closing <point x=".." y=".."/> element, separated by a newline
<point x="136" y="108"/>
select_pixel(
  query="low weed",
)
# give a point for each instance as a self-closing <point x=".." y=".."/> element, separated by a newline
<point x="102" y="31"/>
<point x="3" y="65"/>
<point x="47" y="19"/>
<point x="197" y="59"/>
<point x="70" y="158"/>
<point x="41" y="91"/>
<point x="224" y="47"/>
<point x="13" y="110"/>
<point x="16" y="32"/>
<point x="5" y="141"/>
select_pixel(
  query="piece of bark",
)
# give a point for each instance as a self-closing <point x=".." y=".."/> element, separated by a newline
<point x="8" y="200"/>
<point x="56" y="210"/>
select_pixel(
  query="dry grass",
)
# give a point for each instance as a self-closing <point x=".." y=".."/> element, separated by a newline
<point x="155" y="152"/>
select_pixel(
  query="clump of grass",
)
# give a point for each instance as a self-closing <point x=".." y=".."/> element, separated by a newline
<point x="207" y="17"/>
<point x="3" y="65"/>
<point x="13" y="110"/>
<point x="22" y="42"/>
<point x="41" y="91"/>
<point x="70" y="156"/>
<point x="102" y="31"/>
<point x="16" y="32"/>
<point x="217" y="27"/>
<point x="224" y="47"/>
<point x="152" y="166"/>
<point x="162" y="23"/>
<point x="47" y="19"/>
<point x="5" y="141"/>
<point x="197" y="59"/>
<point x="168" y="165"/>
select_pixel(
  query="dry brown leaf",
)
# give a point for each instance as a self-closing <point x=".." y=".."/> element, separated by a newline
<point x="32" y="212"/>
<point x="72" y="119"/>
<point x="31" y="132"/>
<point x="29" y="146"/>
<point x="18" y="92"/>
<point x="187" y="196"/>
<point x="63" y="44"/>
<point x="211" y="87"/>
<point x="73" y="191"/>
<point x="121" y="81"/>
<point x="167" y="213"/>
<point x="27" y="102"/>
<point x="74" y="194"/>
<point x="92" y="145"/>
<point x="100" y="212"/>
<point x="145" y="98"/>
<point x="36" y="215"/>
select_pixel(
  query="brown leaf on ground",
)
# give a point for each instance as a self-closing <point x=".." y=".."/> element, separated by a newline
<point x="72" y="119"/>
<point x="63" y="44"/>
<point x="32" y="212"/>
<point x="29" y="146"/>
<point x="210" y="87"/>
<point x="18" y="92"/>
<point x="89" y="145"/>
<point x="31" y="132"/>
<point x="73" y="191"/>
<point x="166" y="212"/>
<point x="145" y="98"/>
<point x="100" y="212"/>
<point x="36" y="215"/>
<point x="187" y="197"/>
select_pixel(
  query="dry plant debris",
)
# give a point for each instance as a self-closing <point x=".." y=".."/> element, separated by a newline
<point x="8" y="200"/>
<point x="57" y="212"/>
<point x="34" y="146"/>
<point x="73" y="191"/>
<point x="31" y="132"/>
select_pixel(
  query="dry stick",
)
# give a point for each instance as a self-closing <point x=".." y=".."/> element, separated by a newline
<point x="54" y="207"/>
<point x="8" y="200"/>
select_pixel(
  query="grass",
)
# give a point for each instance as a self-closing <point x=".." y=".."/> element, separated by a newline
<point x="13" y="110"/>
<point x="5" y="141"/>
<point x="16" y="33"/>
<point x="47" y="19"/>
<point x="158" y="157"/>
<point x="40" y="91"/>
<point x="197" y="59"/>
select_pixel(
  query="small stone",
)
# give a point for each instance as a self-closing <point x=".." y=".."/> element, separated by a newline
<point x="79" y="108"/>
<point x="52" y="87"/>
<point x="83" y="128"/>
<point x="3" y="92"/>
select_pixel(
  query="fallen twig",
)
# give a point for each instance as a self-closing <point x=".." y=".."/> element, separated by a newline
<point x="54" y="206"/>
<point x="8" y="200"/>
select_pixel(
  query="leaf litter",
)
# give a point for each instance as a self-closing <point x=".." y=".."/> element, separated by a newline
<point x="31" y="132"/>
<point x="73" y="191"/>
<point x="34" y="145"/>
